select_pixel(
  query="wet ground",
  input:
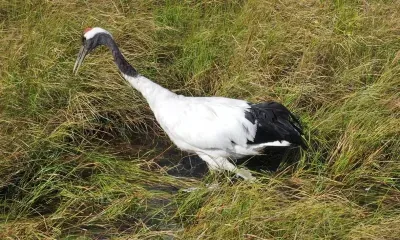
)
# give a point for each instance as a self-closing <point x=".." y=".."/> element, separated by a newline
<point x="181" y="164"/>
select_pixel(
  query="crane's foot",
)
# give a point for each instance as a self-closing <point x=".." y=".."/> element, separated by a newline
<point x="220" y="163"/>
<point x="245" y="174"/>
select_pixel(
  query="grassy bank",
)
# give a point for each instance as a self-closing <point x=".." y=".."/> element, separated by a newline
<point x="81" y="157"/>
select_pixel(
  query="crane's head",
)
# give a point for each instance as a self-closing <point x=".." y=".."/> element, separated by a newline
<point x="91" y="38"/>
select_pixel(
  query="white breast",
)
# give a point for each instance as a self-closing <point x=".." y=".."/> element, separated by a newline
<point x="216" y="126"/>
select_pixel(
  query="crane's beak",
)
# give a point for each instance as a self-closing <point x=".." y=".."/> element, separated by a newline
<point x="81" y="56"/>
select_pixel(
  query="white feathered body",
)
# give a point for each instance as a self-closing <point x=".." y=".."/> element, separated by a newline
<point x="215" y="126"/>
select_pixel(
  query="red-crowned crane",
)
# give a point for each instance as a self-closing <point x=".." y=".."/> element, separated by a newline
<point x="217" y="129"/>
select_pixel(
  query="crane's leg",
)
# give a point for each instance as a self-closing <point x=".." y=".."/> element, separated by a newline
<point x="221" y="163"/>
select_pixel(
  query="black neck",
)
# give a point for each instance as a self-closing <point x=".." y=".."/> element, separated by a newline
<point x="119" y="59"/>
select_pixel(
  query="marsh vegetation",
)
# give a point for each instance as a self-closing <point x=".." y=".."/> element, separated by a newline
<point x="81" y="157"/>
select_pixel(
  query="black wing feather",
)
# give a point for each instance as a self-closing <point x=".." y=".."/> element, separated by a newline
<point x="274" y="123"/>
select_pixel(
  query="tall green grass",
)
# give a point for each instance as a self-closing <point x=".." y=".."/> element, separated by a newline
<point x="80" y="156"/>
